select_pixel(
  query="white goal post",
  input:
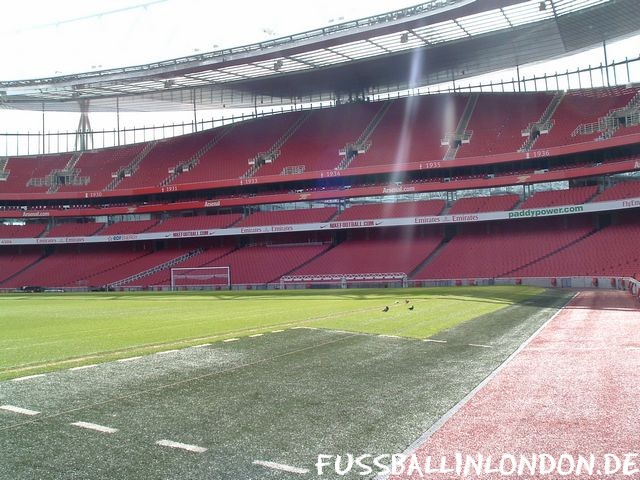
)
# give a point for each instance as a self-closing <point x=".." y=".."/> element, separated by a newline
<point x="200" y="278"/>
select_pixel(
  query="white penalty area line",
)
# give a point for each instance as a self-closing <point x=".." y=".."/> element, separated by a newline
<point x="181" y="446"/>
<point x="123" y="360"/>
<point x="28" y="377"/>
<point x="84" y="367"/>
<point x="282" y="467"/>
<point x="20" y="410"/>
<point x="445" y="418"/>
<point x="95" y="427"/>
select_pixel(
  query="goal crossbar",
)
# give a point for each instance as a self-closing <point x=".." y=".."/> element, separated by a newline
<point x="200" y="277"/>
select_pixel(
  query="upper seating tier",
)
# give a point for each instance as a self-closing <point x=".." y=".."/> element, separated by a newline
<point x="316" y="143"/>
<point x="498" y="120"/>
<point x="409" y="131"/>
<point x="582" y="107"/>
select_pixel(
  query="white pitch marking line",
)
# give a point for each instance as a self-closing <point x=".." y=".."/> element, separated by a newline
<point x="230" y="340"/>
<point x="277" y="331"/>
<point x="122" y="360"/>
<point x="165" y="352"/>
<point x="28" y="377"/>
<point x="479" y="345"/>
<point x="433" y="340"/>
<point x="94" y="426"/>
<point x="282" y="467"/>
<point x="201" y="346"/>
<point x="182" y="446"/>
<point x="84" y="367"/>
<point x="21" y="411"/>
<point x="256" y="335"/>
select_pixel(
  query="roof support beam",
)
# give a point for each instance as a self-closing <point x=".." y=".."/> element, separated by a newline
<point x="378" y="45"/>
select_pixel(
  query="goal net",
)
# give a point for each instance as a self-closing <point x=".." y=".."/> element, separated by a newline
<point x="200" y="278"/>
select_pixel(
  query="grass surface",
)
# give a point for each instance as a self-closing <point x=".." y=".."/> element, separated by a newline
<point x="284" y="397"/>
<point x="40" y="333"/>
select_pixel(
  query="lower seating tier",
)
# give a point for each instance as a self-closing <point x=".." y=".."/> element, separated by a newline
<point x="576" y="245"/>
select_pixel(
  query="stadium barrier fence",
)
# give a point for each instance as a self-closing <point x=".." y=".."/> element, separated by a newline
<point x="570" y="282"/>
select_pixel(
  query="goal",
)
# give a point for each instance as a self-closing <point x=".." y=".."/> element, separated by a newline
<point x="200" y="278"/>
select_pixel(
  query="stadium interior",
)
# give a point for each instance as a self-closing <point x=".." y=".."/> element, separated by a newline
<point x="371" y="189"/>
<point x="404" y="236"/>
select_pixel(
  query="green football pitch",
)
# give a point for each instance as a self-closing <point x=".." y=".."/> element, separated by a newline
<point x="241" y="377"/>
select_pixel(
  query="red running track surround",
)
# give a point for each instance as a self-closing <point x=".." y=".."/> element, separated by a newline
<point x="572" y="389"/>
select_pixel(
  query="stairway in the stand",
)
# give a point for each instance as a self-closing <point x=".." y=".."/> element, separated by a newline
<point x="362" y="144"/>
<point x="273" y="153"/>
<point x="461" y="135"/>
<point x="130" y="169"/>
<point x="193" y="161"/>
<point x="429" y="258"/>
<point x="543" y="125"/>
<point x="557" y="250"/>
<point x="157" y="268"/>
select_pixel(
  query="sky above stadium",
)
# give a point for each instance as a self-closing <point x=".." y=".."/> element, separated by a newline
<point x="43" y="38"/>
<point x="69" y="36"/>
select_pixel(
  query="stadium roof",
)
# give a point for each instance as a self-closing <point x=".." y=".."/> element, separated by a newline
<point x="430" y="43"/>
